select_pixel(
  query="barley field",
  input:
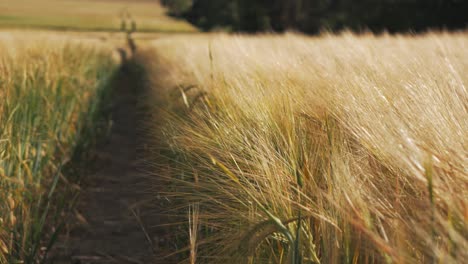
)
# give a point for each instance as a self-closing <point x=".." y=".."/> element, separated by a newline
<point x="292" y="149"/>
<point x="51" y="86"/>
<point x="128" y="136"/>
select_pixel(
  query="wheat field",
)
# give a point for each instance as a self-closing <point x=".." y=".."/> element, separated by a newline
<point x="51" y="86"/>
<point x="293" y="149"/>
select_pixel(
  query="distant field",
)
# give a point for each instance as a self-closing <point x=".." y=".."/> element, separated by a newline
<point x="87" y="15"/>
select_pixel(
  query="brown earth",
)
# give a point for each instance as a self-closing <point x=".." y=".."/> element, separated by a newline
<point x="107" y="226"/>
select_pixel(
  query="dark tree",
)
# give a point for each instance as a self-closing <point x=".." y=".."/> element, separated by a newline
<point x="311" y="16"/>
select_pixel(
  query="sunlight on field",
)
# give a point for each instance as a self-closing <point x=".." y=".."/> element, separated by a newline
<point x="50" y="89"/>
<point x="338" y="149"/>
<point x="89" y="15"/>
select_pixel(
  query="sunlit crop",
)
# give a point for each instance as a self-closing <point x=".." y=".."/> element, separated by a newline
<point x="50" y="88"/>
<point x="331" y="149"/>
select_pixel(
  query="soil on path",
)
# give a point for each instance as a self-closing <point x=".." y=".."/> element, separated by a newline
<point x="110" y="229"/>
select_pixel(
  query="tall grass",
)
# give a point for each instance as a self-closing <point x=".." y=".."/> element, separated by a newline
<point x="331" y="149"/>
<point x="50" y="88"/>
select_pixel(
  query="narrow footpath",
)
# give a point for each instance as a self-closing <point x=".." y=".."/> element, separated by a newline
<point x="110" y="229"/>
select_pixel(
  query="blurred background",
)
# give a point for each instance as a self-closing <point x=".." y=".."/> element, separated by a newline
<point x="310" y="16"/>
<point x="90" y="15"/>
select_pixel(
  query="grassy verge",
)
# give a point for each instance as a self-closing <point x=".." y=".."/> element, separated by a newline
<point x="335" y="149"/>
<point x="50" y="90"/>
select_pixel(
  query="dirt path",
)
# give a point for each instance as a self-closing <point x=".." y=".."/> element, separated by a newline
<point x="110" y="230"/>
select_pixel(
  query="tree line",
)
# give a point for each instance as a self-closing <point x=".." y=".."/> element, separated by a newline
<point x="311" y="16"/>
